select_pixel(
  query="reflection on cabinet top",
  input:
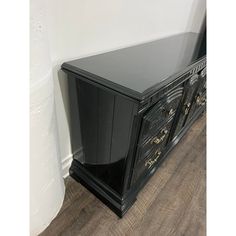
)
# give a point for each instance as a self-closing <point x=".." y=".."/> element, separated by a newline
<point x="136" y="71"/>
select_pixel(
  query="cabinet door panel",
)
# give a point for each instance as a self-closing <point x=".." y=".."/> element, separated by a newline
<point x="190" y="88"/>
<point x="199" y="99"/>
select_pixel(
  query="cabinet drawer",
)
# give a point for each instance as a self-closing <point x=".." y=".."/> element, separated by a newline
<point x="160" y="113"/>
<point x="156" y="139"/>
<point x="146" y="166"/>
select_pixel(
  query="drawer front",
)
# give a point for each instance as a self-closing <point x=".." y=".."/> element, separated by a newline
<point x="160" y="113"/>
<point x="156" y="139"/>
<point x="147" y="165"/>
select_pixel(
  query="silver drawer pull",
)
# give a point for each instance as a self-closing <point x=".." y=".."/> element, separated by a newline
<point x="171" y="112"/>
<point x="187" y="108"/>
<point x="158" y="140"/>
<point x="200" y="100"/>
<point x="168" y="112"/>
<point x="150" y="162"/>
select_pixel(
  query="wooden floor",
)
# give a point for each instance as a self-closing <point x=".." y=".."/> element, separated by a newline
<point x="172" y="202"/>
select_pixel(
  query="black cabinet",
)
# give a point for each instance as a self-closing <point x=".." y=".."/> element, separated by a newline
<point x="128" y="109"/>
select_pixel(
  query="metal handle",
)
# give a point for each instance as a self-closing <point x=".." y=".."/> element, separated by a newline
<point x="187" y="108"/>
<point x="203" y="72"/>
<point x="157" y="140"/>
<point x="200" y="100"/>
<point x="168" y="112"/>
<point x="150" y="162"/>
<point x="171" y="112"/>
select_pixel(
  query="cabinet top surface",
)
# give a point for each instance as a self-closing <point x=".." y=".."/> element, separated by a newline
<point x="136" y="69"/>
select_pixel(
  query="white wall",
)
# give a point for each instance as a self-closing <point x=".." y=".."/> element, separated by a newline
<point x="78" y="28"/>
<point x="46" y="182"/>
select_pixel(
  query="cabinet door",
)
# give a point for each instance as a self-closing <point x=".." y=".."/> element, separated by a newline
<point x="199" y="99"/>
<point x="190" y="88"/>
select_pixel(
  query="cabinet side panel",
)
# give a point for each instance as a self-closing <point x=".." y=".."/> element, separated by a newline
<point x="74" y="124"/>
<point x="104" y="122"/>
<point x="122" y="124"/>
<point x="96" y="108"/>
<point x="88" y="113"/>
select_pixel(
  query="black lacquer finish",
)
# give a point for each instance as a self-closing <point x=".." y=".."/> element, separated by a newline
<point x="128" y="109"/>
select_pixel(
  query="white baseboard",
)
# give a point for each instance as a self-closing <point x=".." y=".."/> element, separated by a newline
<point x="65" y="163"/>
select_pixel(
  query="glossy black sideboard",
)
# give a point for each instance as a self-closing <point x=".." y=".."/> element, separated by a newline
<point x="121" y="134"/>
